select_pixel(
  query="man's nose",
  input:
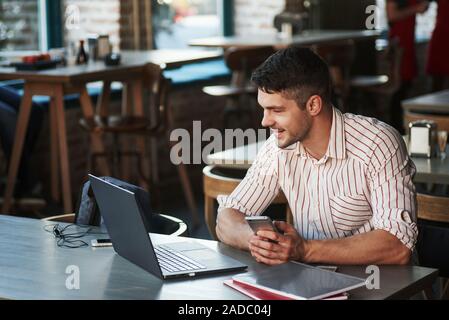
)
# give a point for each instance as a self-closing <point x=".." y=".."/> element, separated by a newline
<point x="267" y="121"/>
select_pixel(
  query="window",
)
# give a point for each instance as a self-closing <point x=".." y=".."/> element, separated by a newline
<point x="83" y="18"/>
<point x="175" y="22"/>
<point x="19" y="25"/>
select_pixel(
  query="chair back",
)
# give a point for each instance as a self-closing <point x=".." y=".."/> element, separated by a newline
<point x="433" y="208"/>
<point x="242" y="61"/>
<point x="433" y="238"/>
<point x="158" y="87"/>
<point x="442" y="121"/>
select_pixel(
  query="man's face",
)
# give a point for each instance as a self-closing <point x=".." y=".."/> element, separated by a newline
<point x="288" y="122"/>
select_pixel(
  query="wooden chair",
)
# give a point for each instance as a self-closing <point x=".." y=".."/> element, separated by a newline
<point x="181" y="229"/>
<point x="214" y="184"/>
<point x="442" y="121"/>
<point x="436" y="210"/>
<point x="241" y="62"/>
<point x="153" y="126"/>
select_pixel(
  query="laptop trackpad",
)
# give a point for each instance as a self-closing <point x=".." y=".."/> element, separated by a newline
<point x="185" y="246"/>
<point x="200" y="253"/>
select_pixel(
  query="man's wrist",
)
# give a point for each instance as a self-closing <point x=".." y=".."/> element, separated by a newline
<point x="309" y="249"/>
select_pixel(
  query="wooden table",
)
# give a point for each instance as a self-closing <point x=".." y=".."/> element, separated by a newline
<point x="306" y="38"/>
<point x="433" y="170"/>
<point x="32" y="266"/>
<point x="58" y="82"/>
<point x="435" y="103"/>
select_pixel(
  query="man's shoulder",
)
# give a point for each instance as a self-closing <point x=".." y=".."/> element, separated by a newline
<point x="371" y="132"/>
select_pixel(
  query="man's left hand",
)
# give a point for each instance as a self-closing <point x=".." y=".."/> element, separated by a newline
<point x="282" y="247"/>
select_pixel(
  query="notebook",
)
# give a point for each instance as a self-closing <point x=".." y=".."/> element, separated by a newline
<point x="263" y="294"/>
<point x="294" y="281"/>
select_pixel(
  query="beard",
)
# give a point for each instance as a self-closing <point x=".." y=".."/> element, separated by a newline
<point x="286" y="138"/>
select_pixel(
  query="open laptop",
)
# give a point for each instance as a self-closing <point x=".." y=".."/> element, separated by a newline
<point x="128" y="230"/>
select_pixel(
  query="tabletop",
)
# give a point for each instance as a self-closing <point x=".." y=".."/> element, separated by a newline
<point x="432" y="170"/>
<point x="32" y="266"/>
<point x="131" y="61"/>
<point x="437" y="102"/>
<point x="309" y="37"/>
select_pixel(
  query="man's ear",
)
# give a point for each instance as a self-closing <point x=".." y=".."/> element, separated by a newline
<point x="314" y="105"/>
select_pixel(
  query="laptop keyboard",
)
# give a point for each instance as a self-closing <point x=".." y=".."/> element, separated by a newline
<point x="173" y="261"/>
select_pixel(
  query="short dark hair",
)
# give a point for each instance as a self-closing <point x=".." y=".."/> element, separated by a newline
<point x="297" y="72"/>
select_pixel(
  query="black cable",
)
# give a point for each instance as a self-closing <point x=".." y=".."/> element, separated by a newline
<point x="67" y="238"/>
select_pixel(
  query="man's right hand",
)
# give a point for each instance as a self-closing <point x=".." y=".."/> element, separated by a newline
<point x="233" y="229"/>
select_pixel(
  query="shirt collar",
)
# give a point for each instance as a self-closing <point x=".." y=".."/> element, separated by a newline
<point x="337" y="142"/>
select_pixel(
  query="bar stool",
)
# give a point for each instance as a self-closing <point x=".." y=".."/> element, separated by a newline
<point x="383" y="84"/>
<point x="339" y="56"/>
<point x="241" y="61"/>
<point x="216" y="183"/>
<point x="155" y="125"/>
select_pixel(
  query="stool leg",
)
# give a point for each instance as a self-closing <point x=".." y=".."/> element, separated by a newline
<point x="19" y="138"/>
<point x="209" y="216"/>
<point x="63" y="151"/>
<point x="55" y="189"/>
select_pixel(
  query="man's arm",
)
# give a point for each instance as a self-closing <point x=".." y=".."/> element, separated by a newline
<point x="232" y="228"/>
<point x="374" y="247"/>
<point x="251" y="197"/>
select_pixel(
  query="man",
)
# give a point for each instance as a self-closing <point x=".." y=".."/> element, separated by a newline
<point x="401" y="16"/>
<point x="347" y="178"/>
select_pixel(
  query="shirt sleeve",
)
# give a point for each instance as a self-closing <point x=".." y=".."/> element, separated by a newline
<point x="260" y="185"/>
<point x="393" y="195"/>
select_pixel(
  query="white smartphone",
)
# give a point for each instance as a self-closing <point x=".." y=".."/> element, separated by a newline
<point x="101" y="243"/>
<point x="261" y="223"/>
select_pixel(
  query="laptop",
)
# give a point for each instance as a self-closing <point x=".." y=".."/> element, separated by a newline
<point x="128" y="230"/>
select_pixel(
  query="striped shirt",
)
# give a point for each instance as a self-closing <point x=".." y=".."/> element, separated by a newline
<point x="362" y="183"/>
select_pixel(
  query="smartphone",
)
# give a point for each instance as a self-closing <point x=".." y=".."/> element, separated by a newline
<point x="101" y="243"/>
<point x="261" y="223"/>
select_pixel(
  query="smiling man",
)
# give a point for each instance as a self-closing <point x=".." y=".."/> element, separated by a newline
<point x="347" y="178"/>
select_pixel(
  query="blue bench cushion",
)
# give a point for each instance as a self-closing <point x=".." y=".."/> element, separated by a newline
<point x="198" y="73"/>
<point x="71" y="100"/>
<point x="202" y="73"/>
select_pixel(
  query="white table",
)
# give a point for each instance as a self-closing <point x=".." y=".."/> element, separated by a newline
<point x="432" y="170"/>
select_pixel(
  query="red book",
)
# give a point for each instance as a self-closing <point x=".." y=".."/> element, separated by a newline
<point x="258" y="293"/>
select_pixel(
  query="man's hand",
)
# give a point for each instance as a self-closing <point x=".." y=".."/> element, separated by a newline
<point x="282" y="247"/>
